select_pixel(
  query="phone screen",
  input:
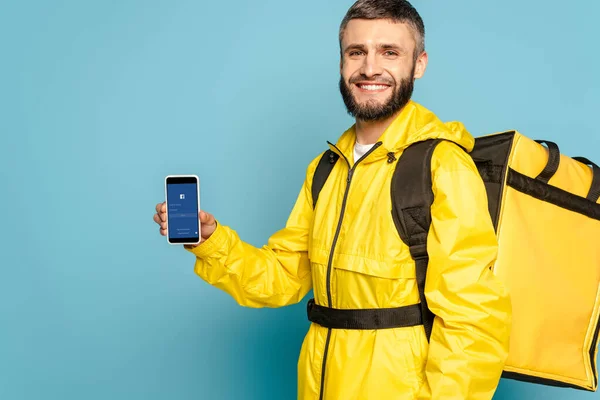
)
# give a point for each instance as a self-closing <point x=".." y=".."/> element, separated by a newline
<point x="182" y="213"/>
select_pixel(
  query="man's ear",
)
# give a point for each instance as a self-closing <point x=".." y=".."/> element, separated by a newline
<point x="421" y="65"/>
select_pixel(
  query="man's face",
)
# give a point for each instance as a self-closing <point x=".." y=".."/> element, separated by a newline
<point x="378" y="67"/>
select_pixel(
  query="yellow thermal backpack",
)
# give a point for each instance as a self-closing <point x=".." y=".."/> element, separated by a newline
<point x="545" y="210"/>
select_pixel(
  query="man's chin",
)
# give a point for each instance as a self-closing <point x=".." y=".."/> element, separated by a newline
<point x="371" y="101"/>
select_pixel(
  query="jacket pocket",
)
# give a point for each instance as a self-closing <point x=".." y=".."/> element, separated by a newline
<point x="358" y="282"/>
<point x="388" y="269"/>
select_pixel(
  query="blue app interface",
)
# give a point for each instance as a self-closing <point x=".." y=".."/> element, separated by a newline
<point x="183" y="210"/>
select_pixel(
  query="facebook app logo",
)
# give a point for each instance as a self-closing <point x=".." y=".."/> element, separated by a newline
<point x="182" y="196"/>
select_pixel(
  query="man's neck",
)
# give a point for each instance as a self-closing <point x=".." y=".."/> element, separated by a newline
<point x="368" y="132"/>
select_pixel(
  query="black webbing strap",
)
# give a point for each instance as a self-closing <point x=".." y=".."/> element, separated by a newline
<point x="412" y="197"/>
<point x="594" y="193"/>
<point x="326" y="164"/>
<point x="553" y="161"/>
<point x="369" y="318"/>
<point x="421" y="265"/>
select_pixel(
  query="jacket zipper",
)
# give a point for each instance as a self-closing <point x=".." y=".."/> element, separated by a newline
<point x="329" y="263"/>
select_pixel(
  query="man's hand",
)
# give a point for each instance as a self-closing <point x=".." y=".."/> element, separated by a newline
<point x="207" y="222"/>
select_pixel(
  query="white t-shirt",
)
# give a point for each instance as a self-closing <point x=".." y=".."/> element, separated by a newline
<point x="361" y="149"/>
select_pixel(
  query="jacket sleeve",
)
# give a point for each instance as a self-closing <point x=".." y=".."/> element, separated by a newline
<point x="470" y="336"/>
<point x="275" y="275"/>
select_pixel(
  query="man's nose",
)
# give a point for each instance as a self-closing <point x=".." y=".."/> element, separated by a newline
<point x="370" y="66"/>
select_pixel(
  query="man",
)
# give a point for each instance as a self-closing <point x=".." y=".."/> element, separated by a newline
<point x="348" y="250"/>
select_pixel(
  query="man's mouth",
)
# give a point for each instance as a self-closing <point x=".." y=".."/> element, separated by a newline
<point x="371" y="87"/>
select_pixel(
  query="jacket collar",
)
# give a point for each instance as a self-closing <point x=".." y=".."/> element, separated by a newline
<point x="413" y="124"/>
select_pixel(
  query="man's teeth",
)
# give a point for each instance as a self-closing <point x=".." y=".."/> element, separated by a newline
<point x="373" y="87"/>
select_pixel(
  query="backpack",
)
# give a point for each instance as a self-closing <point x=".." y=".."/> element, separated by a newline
<point x="553" y="341"/>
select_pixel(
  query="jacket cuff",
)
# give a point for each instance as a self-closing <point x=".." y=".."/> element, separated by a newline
<point x="215" y="242"/>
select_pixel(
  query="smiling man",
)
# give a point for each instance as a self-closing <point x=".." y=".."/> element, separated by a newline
<point x="368" y="338"/>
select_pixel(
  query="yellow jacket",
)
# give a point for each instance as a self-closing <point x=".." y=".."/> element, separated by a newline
<point x="372" y="268"/>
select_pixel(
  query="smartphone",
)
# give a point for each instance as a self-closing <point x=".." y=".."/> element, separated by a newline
<point x="182" y="193"/>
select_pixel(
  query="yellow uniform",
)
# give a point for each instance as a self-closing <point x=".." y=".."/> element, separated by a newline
<point x="348" y="250"/>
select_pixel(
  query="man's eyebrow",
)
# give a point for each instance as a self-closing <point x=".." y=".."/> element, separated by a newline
<point x="355" y="46"/>
<point x="390" y="46"/>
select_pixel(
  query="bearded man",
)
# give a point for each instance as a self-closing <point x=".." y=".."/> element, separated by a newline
<point x="367" y="339"/>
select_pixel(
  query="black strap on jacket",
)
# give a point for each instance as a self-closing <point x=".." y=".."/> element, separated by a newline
<point x="369" y="318"/>
<point x="412" y="197"/>
<point x="326" y="164"/>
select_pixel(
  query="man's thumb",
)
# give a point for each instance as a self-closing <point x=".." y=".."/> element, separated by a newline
<point x="206" y="218"/>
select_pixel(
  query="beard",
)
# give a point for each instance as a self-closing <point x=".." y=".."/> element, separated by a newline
<point x="372" y="110"/>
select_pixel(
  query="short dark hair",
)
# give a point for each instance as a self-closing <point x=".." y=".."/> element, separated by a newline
<point x="399" y="11"/>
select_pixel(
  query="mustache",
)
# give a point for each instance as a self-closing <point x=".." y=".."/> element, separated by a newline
<point x="386" y="81"/>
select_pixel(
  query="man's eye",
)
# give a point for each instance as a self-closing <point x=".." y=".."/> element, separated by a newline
<point x="355" y="53"/>
<point x="390" y="53"/>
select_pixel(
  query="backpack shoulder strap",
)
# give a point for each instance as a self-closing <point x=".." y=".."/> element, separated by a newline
<point x="412" y="197"/>
<point x="326" y="164"/>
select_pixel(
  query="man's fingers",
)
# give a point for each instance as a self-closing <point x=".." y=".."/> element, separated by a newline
<point x="161" y="213"/>
<point x="161" y="217"/>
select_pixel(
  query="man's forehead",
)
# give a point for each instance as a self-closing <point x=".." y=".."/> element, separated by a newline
<point x="377" y="31"/>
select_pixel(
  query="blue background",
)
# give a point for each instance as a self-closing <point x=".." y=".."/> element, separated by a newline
<point x="101" y="100"/>
<point x="187" y="205"/>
